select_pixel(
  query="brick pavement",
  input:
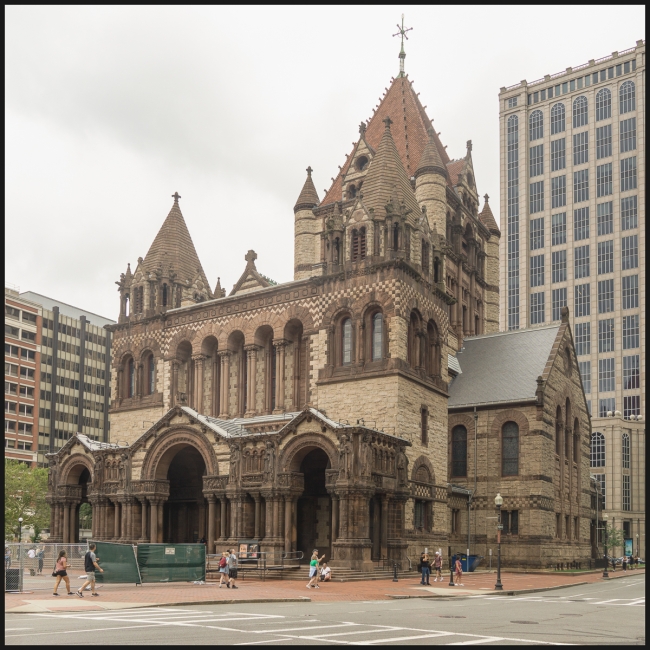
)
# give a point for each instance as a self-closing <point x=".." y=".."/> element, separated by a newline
<point x="123" y="596"/>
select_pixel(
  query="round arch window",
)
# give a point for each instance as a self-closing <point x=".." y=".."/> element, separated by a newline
<point x="361" y="163"/>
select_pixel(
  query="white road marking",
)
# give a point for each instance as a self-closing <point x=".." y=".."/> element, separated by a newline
<point x="15" y="629"/>
<point x="488" y="639"/>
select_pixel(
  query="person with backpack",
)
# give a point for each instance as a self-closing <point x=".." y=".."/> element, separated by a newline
<point x="437" y="566"/>
<point x="90" y="564"/>
<point x="232" y="570"/>
<point x="60" y="572"/>
<point x="223" y="570"/>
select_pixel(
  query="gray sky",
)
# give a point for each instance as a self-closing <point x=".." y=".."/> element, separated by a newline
<point x="110" y="110"/>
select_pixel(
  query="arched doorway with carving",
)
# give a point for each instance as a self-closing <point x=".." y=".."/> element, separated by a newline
<point x="76" y="510"/>
<point x="177" y="463"/>
<point x="184" y="514"/>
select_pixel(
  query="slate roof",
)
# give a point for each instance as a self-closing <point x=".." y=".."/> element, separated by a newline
<point x="308" y="196"/>
<point x="501" y="367"/>
<point x="487" y="218"/>
<point x="173" y="245"/>
<point x="431" y="160"/>
<point x="410" y="132"/>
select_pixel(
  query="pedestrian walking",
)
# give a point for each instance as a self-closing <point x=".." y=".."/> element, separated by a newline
<point x="31" y="555"/>
<point x="223" y="570"/>
<point x="625" y="563"/>
<point x="459" y="573"/>
<point x="90" y="564"/>
<point x="425" y="565"/>
<point x="40" y="556"/>
<point x="7" y="557"/>
<point x="325" y="573"/>
<point x="60" y="573"/>
<point x="313" y="569"/>
<point x="437" y="566"/>
<point x="232" y="569"/>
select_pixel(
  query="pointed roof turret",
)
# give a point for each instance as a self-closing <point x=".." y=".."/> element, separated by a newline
<point x="487" y="218"/>
<point x="308" y="198"/>
<point x="431" y="162"/>
<point x="387" y="179"/>
<point x="173" y="247"/>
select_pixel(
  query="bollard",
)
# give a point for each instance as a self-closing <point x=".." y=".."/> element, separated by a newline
<point x="394" y="571"/>
<point x="451" y="575"/>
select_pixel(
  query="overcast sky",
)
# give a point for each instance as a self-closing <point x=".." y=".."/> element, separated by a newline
<point x="110" y="110"/>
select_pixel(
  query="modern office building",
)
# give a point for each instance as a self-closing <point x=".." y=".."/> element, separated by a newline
<point x="23" y="320"/>
<point x="71" y="376"/>
<point x="573" y="211"/>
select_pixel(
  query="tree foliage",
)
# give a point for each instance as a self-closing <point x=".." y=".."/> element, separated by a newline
<point x="25" y="492"/>
<point x="614" y="538"/>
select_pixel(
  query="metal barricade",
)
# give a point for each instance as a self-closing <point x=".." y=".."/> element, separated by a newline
<point x="22" y="571"/>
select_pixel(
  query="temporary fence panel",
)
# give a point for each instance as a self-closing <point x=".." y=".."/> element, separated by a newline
<point x="171" y="562"/>
<point x="22" y="571"/>
<point x="119" y="563"/>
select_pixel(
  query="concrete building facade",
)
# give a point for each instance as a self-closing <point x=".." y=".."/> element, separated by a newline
<point x="70" y="360"/>
<point x="573" y="213"/>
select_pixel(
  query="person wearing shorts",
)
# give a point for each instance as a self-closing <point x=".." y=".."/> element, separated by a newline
<point x="313" y="569"/>
<point x="232" y="570"/>
<point x="60" y="573"/>
<point x="459" y="573"/>
<point x="223" y="570"/>
<point x="90" y="564"/>
<point x="437" y="566"/>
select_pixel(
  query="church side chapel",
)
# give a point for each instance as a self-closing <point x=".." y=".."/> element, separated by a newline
<point x="316" y="413"/>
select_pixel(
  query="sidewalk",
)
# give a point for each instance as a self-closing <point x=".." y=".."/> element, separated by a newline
<point x="149" y="595"/>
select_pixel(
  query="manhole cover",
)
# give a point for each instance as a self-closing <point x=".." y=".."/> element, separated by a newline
<point x="453" y="616"/>
<point x="526" y="622"/>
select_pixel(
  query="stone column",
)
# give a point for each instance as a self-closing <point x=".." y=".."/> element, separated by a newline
<point x="224" y="384"/>
<point x="143" y="514"/>
<point x="306" y="341"/>
<point x="343" y="516"/>
<point x="470" y="303"/>
<point x="335" y="518"/>
<point x="211" y="522"/>
<point x="294" y="524"/>
<point x="214" y="402"/>
<point x="105" y="531"/>
<point x="376" y="531"/>
<point x="275" y="528"/>
<point x="174" y="384"/>
<point x="116" y="520"/>
<point x="268" y="519"/>
<point x="66" y="523"/>
<point x="384" y="525"/>
<point x="251" y="373"/>
<point x="153" y="529"/>
<point x="199" y="364"/>
<point x="280" y="346"/>
<point x="224" y="516"/>
<point x="288" y="521"/>
<point x="159" y="509"/>
<point x="73" y="523"/>
<point x="258" y="515"/>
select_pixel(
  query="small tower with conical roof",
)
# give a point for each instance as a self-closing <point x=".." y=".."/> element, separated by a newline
<point x="431" y="185"/>
<point x="306" y="231"/>
<point x="486" y="217"/>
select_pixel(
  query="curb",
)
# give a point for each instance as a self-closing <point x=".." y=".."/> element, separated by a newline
<point x="515" y="592"/>
<point x="230" y="601"/>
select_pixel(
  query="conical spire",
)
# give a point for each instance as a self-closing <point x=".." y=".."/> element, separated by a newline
<point x="173" y="247"/>
<point x="431" y="162"/>
<point x="308" y="198"/>
<point x="487" y="218"/>
<point x="387" y="179"/>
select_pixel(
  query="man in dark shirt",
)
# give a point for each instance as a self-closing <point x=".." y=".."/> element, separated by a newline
<point x="90" y="564"/>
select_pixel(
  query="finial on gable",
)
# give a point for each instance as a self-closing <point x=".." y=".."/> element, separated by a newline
<point x="176" y="196"/>
<point x="362" y="129"/>
<point x="251" y="256"/>
<point x="469" y="146"/>
<point x="486" y="197"/>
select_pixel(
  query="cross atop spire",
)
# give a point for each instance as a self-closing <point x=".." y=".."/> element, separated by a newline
<point x="176" y="196"/>
<point x="402" y="55"/>
<point x="251" y="256"/>
<point x="487" y="198"/>
<point x="387" y="121"/>
<point x="309" y="171"/>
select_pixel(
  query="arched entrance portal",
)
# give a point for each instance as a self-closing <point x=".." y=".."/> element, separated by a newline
<point x="314" y="508"/>
<point x="184" y="514"/>
<point x="76" y="512"/>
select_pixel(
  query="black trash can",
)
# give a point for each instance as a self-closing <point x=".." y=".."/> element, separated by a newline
<point x="12" y="579"/>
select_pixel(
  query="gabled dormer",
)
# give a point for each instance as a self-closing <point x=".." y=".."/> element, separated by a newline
<point x="361" y="158"/>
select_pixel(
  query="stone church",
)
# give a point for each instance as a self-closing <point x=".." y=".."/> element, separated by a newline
<point x="368" y="408"/>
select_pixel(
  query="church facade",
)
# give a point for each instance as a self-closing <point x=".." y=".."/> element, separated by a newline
<point x="324" y="412"/>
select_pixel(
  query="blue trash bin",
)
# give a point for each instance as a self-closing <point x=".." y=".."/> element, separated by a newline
<point x="474" y="561"/>
<point x="463" y="562"/>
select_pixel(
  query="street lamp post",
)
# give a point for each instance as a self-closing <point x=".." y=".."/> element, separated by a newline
<point x="20" y="529"/>
<point x="498" y="502"/>
<point x="637" y="544"/>
<point x="605" y="574"/>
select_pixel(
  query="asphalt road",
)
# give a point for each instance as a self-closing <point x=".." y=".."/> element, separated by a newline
<point x="603" y="613"/>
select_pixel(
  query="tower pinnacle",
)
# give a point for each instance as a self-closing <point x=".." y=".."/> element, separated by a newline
<point x="402" y="54"/>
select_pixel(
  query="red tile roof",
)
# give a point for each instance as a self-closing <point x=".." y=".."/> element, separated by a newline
<point x="455" y="167"/>
<point x="409" y="131"/>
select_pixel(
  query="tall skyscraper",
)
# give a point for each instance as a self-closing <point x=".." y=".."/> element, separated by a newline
<point x="573" y="212"/>
<point x="57" y="375"/>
